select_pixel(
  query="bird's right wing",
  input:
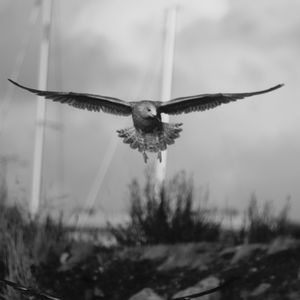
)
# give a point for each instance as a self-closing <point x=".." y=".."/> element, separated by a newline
<point x="205" y="101"/>
<point x="85" y="101"/>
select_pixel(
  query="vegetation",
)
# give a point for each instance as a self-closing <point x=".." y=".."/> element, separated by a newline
<point x="25" y="246"/>
<point x="31" y="252"/>
<point x="261" y="225"/>
<point x="166" y="214"/>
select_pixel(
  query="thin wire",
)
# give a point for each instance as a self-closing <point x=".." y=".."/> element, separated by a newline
<point x="32" y="19"/>
<point x="104" y="166"/>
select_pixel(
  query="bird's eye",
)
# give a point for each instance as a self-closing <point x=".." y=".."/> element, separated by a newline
<point x="149" y="109"/>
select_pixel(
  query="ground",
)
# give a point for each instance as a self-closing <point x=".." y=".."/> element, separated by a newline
<point x="256" y="271"/>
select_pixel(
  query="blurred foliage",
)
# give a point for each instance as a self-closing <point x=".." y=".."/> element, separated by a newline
<point x="42" y="253"/>
<point x="261" y="224"/>
<point x="26" y="246"/>
<point x="166" y="213"/>
<point x="14" y="251"/>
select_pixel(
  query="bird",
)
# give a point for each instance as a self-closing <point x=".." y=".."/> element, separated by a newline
<point x="148" y="133"/>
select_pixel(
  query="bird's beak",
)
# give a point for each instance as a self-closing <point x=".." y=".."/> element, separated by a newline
<point x="154" y="116"/>
<point x="153" y="113"/>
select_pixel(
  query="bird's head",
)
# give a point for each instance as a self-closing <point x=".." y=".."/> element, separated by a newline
<point x="149" y="110"/>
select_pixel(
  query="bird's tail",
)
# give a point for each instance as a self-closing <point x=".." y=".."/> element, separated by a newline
<point x="155" y="141"/>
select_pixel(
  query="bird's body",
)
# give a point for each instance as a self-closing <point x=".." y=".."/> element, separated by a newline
<point x="149" y="133"/>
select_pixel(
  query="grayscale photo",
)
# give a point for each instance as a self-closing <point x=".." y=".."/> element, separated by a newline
<point x="149" y="150"/>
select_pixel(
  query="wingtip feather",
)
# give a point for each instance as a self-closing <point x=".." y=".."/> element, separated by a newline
<point x="11" y="81"/>
<point x="17" y="84"/>
<point x="25" y="87"/>
<point x="277" y="86"/>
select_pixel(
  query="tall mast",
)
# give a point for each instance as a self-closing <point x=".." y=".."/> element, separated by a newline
<point x="41" y="109"/>
<point x="167" y="76"/>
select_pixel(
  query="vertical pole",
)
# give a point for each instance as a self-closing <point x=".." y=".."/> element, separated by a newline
<point x="167" y="76"/>
<point x="41" y="109"/>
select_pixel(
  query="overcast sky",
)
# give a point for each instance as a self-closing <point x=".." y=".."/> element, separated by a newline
<point x="114" y="47"/>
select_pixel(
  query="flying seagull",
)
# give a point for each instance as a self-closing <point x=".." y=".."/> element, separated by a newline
<point x="149" y="133"/>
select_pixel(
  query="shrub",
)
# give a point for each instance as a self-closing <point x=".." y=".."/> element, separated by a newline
<point x="26" y="246"/>
<point x="165" y="214"/>
<point x="262" y="225"/>
<point x="15" y="256"/>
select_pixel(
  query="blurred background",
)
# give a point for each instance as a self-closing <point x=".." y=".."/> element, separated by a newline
<point x="243" y="157"/>
<point x="115" y="48"/>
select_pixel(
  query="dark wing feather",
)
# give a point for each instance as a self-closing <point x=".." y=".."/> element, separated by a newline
<point x="85" y="101"/>
<point x="205" y="101"/>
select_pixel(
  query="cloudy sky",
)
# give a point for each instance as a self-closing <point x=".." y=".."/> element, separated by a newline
<point x="114" y="47"/>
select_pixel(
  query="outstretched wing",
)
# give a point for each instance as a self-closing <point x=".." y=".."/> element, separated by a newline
<point x="205" y="101"/>
<point x="85" y="101"/>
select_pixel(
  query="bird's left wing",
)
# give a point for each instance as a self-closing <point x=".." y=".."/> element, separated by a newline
<point x="205" y="101"/>
<point x="85" y="101"/>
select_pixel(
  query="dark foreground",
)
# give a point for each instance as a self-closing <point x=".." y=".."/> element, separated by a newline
<point x="260" y="271"/>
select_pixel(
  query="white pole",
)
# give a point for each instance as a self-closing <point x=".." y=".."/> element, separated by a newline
<point x="167" y="76"/>
<point x="41" y="109"/>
